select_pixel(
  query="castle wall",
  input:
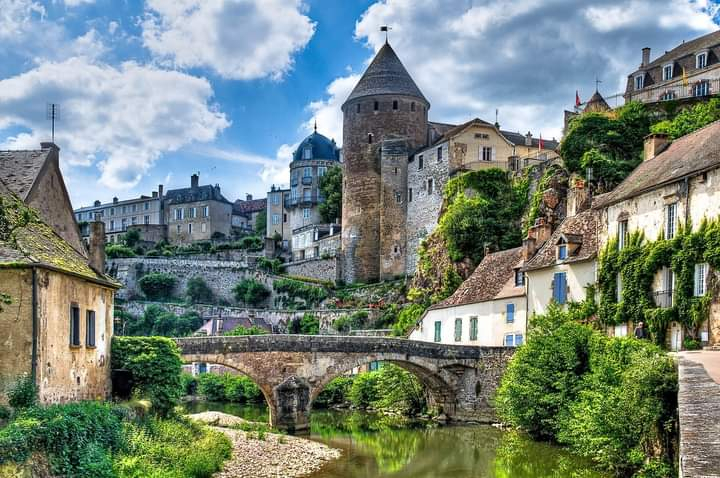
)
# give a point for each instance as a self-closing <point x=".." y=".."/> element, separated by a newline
<point x="393" y="208"/>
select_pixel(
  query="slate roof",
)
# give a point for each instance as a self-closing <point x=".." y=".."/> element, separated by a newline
<point x="489" y="278"/>
<point x="596" y="103"/>
<point x="27" y="241"/>
<point x="440" y="128"/>
<point x="518" y="139"/>
<point x="241" y="207"/>
<point x="386" y="75"/>
<point x="581" y="226"/>
<point x="19" y="169"/>
<point x="450" y="131"/>
<point x="684" y="49"/>
<point x="200" y="193"/>
<point x="321" y="146"/>
<point x="691" y="154"/>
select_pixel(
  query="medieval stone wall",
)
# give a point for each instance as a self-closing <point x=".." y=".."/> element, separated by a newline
<point x="315" y="268"/>
<point x="15" y="328"/>
<point x="393" y="212"/>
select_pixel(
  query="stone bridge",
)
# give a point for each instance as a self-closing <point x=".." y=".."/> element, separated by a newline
<point x="291" y="370"/>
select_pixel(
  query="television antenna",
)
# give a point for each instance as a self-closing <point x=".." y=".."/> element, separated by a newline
<point x="53" y="114"/>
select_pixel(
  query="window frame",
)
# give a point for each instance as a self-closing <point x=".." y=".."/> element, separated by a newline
<point x="559" y="295"/>
<point x="458" y="329"/>
<point x="90" y="331"/>
<point x="700" y="279"/>
<point x="509" y="313"/>
<point x="639" y="82"/>
<point x="519" y="274"/>
<point x="665" y="67"/>
<point x="562" y="252"/>
<point x="437" y="331"/>
<point x="473" y="328"/>
<point x="421" y="162"/>
<point x="489" y="150"/>
<point x="439" y="154"/>
<point x="671" y="217"/>
<point x="429" y="186"/>
<point x="622" y="234"/>
<point x="704" y="56"/>
<point x="75" y="340"/>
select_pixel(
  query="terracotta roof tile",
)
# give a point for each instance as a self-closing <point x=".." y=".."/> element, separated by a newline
<point x="582" y="225"/>
<point x="249" y="207"/>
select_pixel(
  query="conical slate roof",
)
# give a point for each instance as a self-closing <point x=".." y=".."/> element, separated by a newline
<point x="320" y="146"/>
<point x="386" y="75"/>
<point x="596" y="103"/>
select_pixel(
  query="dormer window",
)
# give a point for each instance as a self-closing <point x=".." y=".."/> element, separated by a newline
<point x="519" y="277"/>
<point x="701" y="60"/>
<point x="667" y="72"/>
<point x="562" y="252"/>
<point x="307" y="153"/>
<point x="640" y="82"/>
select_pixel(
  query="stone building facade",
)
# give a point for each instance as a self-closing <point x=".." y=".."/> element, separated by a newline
<point x="277" y="216"/>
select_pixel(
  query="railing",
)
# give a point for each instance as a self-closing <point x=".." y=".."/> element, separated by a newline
<point x="677" y="89"/>
<point x="305" y="199"/>
<point x="663" y="298"/>
<point x="307" y="180"/>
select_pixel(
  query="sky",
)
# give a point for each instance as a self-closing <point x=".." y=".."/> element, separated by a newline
<point x="153" y="91"/>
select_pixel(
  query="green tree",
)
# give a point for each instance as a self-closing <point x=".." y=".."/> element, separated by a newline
<point x="251" y="292"/>
<point x="399" y="390"/>
<point x="157" y="285"/>
<point x="331" y="189"/>
<point x="158" y="321"/>
<point x="198" y="291"/>
<point x="309" y="324"/>
<point x="407" y="318"/>
<point x="241" y="330"/>
<point x="363" y="391"/>
<point x="261" y="223"/>
<point x="113" y="251"/>
<point x="689" y="120"/>
<point x="131" y="238"/>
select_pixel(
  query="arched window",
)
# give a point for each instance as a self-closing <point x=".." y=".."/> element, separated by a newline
<point x="412" y="106"/>
<point x="358" y="107"/>
<point x="376" y="106"/>
<point x="395" y="104"/>
<point x="370" y="138"/>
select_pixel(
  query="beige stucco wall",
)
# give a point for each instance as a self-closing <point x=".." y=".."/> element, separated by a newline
<point x="218" y="220"/>
<point x="68" y="373"/>
<point x="539" y="284"/>
<point x="492" y="324"/>
<point x="471" y="158"/>
<point x="15" y="327"/>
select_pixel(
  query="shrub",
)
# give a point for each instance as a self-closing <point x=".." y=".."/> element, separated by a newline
<point x="398" y="390"/>
<point x="157" y="285"/>
<point x="251" y="292"/>
<point x="158" y="321"/>
<point x="363" y="391"/>
<point x="188" y="383"/>
<point x="23" y="393"/>
<point x="212" y="387"/>
<point x="273" y="266"/>
<point x="251" y="243"/>
<point x="297" y="293"/>
<point x="308" y="325"/>
<point x="228" y="387"/>
<point x="131" y="237"/>
<point x="355" y="321"/>
<point x="407" y="318"/>
<point x="241" y="330"/>
<point x="198" y="292"/>
<point x="113" y="251"/>
<point x="5" y="413"/>
<point x="155" y="365"/>
<point x="335" y="392"/>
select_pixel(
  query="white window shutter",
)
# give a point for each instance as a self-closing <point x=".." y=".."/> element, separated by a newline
<point x="492" y="154"/>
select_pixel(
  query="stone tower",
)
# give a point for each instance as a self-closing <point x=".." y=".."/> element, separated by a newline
<point x="384" y="120"/>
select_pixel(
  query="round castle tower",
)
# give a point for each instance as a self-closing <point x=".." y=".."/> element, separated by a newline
<point x="384" y="121"/>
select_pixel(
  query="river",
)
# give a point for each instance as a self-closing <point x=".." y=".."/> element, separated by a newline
<point x="376" y="446"/>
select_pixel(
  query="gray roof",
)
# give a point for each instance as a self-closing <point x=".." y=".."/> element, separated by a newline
<point x="518" y="139"/>
<point x="19" y="169"/>
<point x="686" y="48"/>
<point x="386" y="75"/>
<point x="200" y="193"/>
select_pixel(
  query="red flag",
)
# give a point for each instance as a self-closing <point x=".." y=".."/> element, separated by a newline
<point x="541" y="145"/>
<point x="577" y="98"/>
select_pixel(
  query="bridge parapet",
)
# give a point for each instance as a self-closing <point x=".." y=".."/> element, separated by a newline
<point x="291" y="370"/>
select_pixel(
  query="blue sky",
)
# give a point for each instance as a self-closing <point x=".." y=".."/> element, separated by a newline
<point x="152" y="91"/>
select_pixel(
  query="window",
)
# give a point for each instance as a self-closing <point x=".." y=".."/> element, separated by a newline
<point x="559" y="287"/>
<point x="146" y="206"/>
<point x="124" y="209"/>
<point x="133" y="220"/>
<point x="307" y="172"/>
<point x="276" y="219"/>
<point x="639" y="82"/>
<point x="357" y="109"/>
<point x="412" y="106"/>
<point x="562" y="252"/>
<point x="473" y="328"/>
<point x="179" y="214"/>
<point x="307" y="153"/>
<point x="667" y="96"/>
<point x="306" y="212"/>
<point x="439" y="154"/>
<point x="190" y="228"/>
<point x="370" y="137"/>
<point x="518" y="340"/>
<point x="124" y="223"/>
<point x="203" y="227"/>
<point x="438" y="330"/>
<point x="395" y="104"/>
<point x="321" y="171"/>
<point x="307" y="195"/>
<point x="420" y="162"/>
<point x="74" y="325"/>
<point x="701" y="60"/>
<point x="79" y="216"/>
<point x="519" y="278"/>
<point x="458" y="330"/>
<point x="429" y="186"/>
<point x="618" y="287"/>
<point x="112" y="211"/>
<point x="486" y="153"/>
<point x="178" y="229"/>
<point x="146" y="220"/>
<point x="284" y="217"/>
<point x="409" y="194"/>
<point x="205" y="211"/>
<point x="509" y="313"/>
<point x="134" y="208"/>
<point x="90" y="328"/>
<point x="622" y="234"/>
<point x="701" y="273"/>
<point x="701" y="88"/>
<point x="667" y="72"/>
<point x="376" y="105"/>
<point x="193" y="212"/>
<point x="670" y="220"/>
<point x="398" y="198"/>
<point x="112" y="224"/>
<point x="509" y="340"/>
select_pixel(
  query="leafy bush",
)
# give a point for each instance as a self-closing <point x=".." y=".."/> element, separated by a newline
<point x="228" y="387"/>
<point x="198" y="292"/>
<point x="296" y="293"/>
<point x="241" y="330"/>
<point x="23" y="393"/>
<point x="113" y="251"/>
<point x="131" y="238"/>
<point x="251" y="292"/>
<point x="155" y="365"/>
<point x="356" y="320"/>
<point x="407" y="318"/>
<point x="363" y="391"/>
<point x="690" y="119"/>
<point x="334" y="393"/>
<point x="331" y="189"/>
<point x="158" y="321"/>
<point x="251" y="243"/>
<point x="188" y="383"/>
<point x="261" y="223"/>
<point x="212" y="387"/>
<point x="307" y="325"/>
<point x="399" y="390"/>
<point x="273" y="266"/>
<point x="157" y="285"/>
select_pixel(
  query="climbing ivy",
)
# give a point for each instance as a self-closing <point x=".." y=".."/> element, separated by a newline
<point x="637" y="264"/>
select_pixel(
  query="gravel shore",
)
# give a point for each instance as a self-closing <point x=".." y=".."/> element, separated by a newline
<point x="272" y="456"/>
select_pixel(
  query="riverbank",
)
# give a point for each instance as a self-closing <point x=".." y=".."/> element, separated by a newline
<point x="265" y="455"/>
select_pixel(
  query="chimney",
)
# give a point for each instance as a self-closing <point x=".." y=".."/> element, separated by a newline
<point x="96" y="203"/>
<point x="528" y="139"/>
<point x="154" y="194"/>
<point x="160" y="190"/>
<point x="645" y="57"/>
<point x="97" y="244"/>
<point x="578" y="197"/>
<point x="655" y="144"/>
<point x="248" y="197"/>
<point x="115" y="200"/>
<point x="49" y="145"/>
<point x="194" y="181"/>
<point x="529" y="247"/>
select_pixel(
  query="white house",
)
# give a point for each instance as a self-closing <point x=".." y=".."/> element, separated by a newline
<point x="488" y="309"/>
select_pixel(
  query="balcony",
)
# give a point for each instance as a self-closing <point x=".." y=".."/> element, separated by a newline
<point x="663" y="298"/>
<point x="307" y="180"/>
<point x="294" y="181"/>
<point x="305" y="200"/>
<point x="697" y="85"/>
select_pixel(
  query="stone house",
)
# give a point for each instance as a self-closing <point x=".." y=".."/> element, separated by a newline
<point x="688" y="73"/>
<point x="144" y="213"/>
<point x="58" y="324"/>
<point x="488" y="309"/>
<point x="676" y="186"/>
<point x="197" y="213"/>
<point x="245" y="213"/>
<point x="278" y="217"/>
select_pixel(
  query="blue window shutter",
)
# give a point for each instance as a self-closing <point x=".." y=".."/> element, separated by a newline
<point x="560" y="287"/>
<point x="509" y="340"/>
<point x="510" y="313"/>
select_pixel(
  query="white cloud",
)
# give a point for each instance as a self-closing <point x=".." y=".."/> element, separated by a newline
<point x="272" y="170"/>
<point x="17" y="15"/>
<point x="75" y="3"/>
<point x="523" y="57"/>
<point x="327" y="111"/>
<point x="239" y="39"/>
<point x="119" y="118"/>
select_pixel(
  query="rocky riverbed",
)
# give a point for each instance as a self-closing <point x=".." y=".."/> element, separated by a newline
<point x="266" y="455"/>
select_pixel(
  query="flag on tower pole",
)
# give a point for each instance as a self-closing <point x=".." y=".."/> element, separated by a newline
<point x="541" y="144"/>
<point x="577" y="99"/>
